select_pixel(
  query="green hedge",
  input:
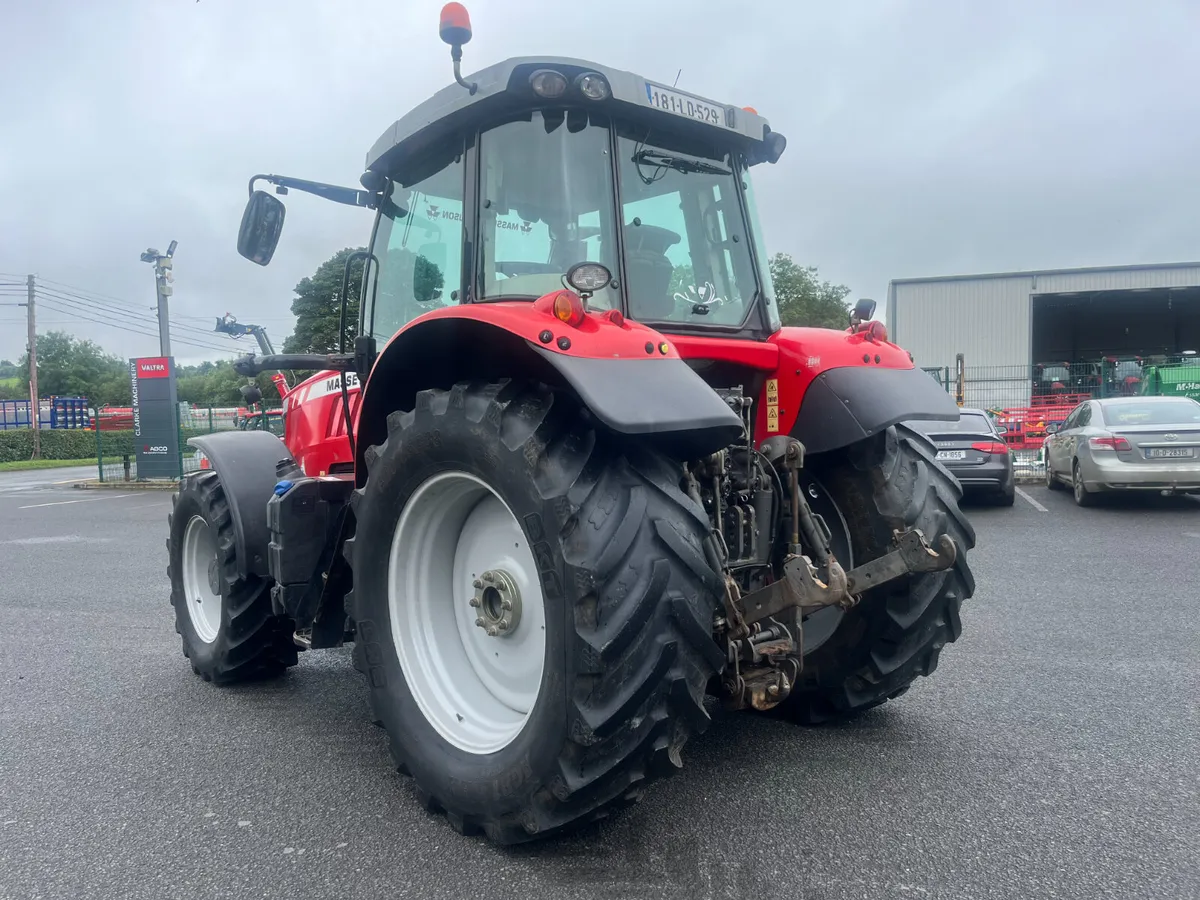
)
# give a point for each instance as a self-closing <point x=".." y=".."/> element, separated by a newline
<point x="72" y="443"/>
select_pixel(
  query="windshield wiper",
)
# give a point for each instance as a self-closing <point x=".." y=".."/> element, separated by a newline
<point x="679" y="163"/>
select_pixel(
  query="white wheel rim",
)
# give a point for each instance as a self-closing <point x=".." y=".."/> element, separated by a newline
<point x="198" y="568"/>
<point x="476" y="690"/>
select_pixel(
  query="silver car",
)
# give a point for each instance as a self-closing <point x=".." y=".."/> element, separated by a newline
<point x="1126" y="443"/>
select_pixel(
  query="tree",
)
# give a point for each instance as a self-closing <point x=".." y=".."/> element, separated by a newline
<point x="318" y="304"/>
<point x="68" y="367"/>
<point x="217" y="384"/>
<point x="805" y="300"/>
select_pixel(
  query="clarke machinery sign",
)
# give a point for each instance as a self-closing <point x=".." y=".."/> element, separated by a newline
<point x="155" y="428"/>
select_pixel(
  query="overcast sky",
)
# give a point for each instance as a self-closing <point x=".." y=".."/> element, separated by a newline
<point x="925" y="138"/>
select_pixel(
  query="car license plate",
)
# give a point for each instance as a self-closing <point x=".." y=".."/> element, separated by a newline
<point x="1168" y="453"/>
<point x="683" y="105"/>
<point x="952" y="454"/>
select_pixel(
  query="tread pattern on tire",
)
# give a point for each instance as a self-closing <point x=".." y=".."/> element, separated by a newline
<point x="643" y="646"/>
<point x="895" y="482"/>
<point x="257" y="644"/>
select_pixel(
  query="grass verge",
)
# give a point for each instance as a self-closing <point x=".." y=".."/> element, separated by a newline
<point x="22" y="465"/>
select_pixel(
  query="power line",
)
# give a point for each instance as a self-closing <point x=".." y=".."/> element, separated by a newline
<point x="138" y="317"/>
<point x="89" y="291"/>
<point x="101" y="297"/>
<point x="95" y="304"/>
<point x="144" y="319"/>
<point x="129" y="327"/>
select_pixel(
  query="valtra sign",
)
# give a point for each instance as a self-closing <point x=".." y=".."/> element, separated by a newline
<point x="155" y="421"/>
<point x="155" y="367"/>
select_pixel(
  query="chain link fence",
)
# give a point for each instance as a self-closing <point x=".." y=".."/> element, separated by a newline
<point x="1023" y="400"/>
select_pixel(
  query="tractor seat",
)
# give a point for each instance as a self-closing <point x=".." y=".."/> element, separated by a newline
<point x="649" y="271"/>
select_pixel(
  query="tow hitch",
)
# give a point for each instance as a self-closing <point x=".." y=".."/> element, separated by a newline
<point x="765" y="638"/>
<point x="801" y="587"/>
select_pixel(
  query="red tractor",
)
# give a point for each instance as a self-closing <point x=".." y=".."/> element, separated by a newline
<point x="588" y="480"/>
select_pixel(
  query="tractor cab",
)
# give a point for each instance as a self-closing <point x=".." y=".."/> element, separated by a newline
<point x="496" y="188"/>
<point x="549" y="164"/>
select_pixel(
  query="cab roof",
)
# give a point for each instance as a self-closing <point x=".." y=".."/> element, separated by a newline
<point x="504" y="88"/>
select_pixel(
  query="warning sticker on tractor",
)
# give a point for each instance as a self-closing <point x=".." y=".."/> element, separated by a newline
<point x="773" y="404"/>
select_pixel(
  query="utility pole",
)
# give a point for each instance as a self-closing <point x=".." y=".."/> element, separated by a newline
<point x="163" y="276"/>
<point x="35" y="408"/>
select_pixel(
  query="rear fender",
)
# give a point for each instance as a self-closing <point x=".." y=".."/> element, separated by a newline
<point x="629" y="377"/>
<point x="833" y="389"/>
<point x="250" y="464"/>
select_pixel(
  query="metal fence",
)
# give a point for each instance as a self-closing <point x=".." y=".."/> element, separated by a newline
<point x="116" y="452"/>
<point x="1025" y="399"/>
<point x="53" y="413"/>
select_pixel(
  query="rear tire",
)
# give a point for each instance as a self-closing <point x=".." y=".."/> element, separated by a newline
<point x="1007" y="497"/>
<point x="1083" y="497"/>
<point x="885" y="483"/>
<point x="624" y="592"/>
<point x="229" y="630"/>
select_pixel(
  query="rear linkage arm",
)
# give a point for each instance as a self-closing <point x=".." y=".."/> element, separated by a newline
<point x="765" y="626"/>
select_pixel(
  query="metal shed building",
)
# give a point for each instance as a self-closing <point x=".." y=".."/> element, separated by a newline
<point x="1009" y="322"/>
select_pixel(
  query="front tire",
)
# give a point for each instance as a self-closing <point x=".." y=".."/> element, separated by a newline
<point x="895" y="633"/>
<point x="608" y="550"/>
<point x="226" y="622"/>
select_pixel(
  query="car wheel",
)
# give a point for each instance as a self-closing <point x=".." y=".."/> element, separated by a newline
<point x="1082" y="496"/>
<point x="1052" y="482"/>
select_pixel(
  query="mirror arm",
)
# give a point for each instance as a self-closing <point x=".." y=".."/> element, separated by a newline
<point x="336" y="193"/>
<point x="250" y="365"/>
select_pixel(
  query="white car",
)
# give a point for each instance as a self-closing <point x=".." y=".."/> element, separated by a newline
<point x="1126" y="444"/>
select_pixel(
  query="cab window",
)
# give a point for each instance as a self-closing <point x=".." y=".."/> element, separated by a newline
<point x="545" y="204"/>
<point x="688" y="257"/>
<point x="419" y="246"/>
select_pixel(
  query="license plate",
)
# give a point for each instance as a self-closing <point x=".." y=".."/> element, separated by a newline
<point x="952" y="454"/>
<point x="1168" y="453"/>
<point x="683" y="105"/>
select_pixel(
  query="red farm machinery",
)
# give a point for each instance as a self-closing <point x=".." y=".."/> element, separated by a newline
<point x="572" y="476"/>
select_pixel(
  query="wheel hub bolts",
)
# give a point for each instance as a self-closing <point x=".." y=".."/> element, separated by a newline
<point x="214" y="577"/>
<point x="497" y="602"/>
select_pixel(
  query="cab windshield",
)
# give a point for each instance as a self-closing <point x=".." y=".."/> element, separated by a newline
<point x="687" y="254"/>
<point x="550" y="196"/>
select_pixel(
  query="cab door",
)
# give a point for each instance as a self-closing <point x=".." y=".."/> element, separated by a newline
<point x="1059" y="440"/>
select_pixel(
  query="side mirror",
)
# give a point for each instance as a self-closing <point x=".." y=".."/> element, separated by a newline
<point x="262" y="223"/>
<point x="251" y="394"/>
<point x="1001" y="429"/>
<point x="1052" y="428"/>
